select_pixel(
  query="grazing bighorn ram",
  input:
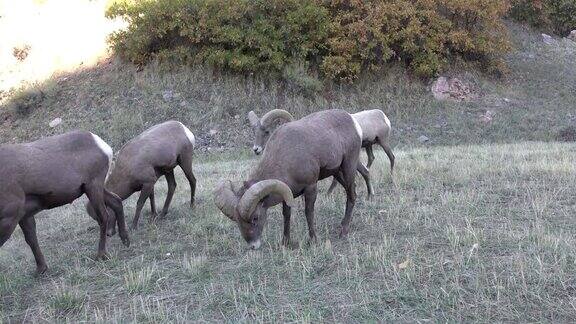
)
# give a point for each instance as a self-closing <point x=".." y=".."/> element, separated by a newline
<point x="147" y="157"/>
<point x="52" y="172"/>
<point x="298" y="155"/>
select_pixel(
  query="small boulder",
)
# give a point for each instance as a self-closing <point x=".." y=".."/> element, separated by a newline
<point x="423" y="139"/>
<point x="444" y="88"/>
<point x="547" y="39"/>
<point x="167" y="95"/>
<point x="55" y="122"/>
<point x="572" y="36"/>
<point x="567" y="134"/>
<point x="487" y="117"/>
<point x="213" y="132"/>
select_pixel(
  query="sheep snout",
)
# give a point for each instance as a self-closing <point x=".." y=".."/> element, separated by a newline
<point x="255" y="245"/>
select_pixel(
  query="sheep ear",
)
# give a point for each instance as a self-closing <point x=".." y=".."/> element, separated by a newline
<point x="253" y="118"/>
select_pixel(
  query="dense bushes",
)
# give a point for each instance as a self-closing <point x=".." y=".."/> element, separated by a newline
<point x="337" y="39"/>
<point x="557" y="16"/>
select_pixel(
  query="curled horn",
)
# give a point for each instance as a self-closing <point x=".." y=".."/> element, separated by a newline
<point x="225" y="199"/>
<point x="253" y="118"/>
<point x="270" y="117"/>
<point x="261" y="189"/>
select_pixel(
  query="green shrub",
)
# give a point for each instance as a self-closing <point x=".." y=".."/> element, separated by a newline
<point x="335" y="39"/>
<point x="556" y="16"/>
<point x="425" y="34"/>
<point x="236" y="35"/>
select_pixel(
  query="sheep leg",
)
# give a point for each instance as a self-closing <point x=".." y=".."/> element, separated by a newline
<point x="115" y="203"/>
<point x="349" y="184"/>
<point x="332" y="185"/>
<point x="153" y="204"/>
<point x="171" y="189"/>
<point x="186" y="166"/>
<point x="286" y="212"/>
<point x="310" y="194"/>
<point x="370" y="153"/>
<point x="388" y="152"/>
<point x="144" y="194"/>
<point x="95" y="195"/>
<point x="7" y="224"/>
<point x="366" y="175"/>
<point x="28" y="226"/>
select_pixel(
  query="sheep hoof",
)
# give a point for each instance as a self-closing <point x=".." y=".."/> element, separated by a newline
<point x="312" y="240"/>
<point x="285" y="242"/>
<point x="103" y="256"/>
<point x="40" y="270"/>
<point x="344" y="232"/>
<point x="125" y="241"/>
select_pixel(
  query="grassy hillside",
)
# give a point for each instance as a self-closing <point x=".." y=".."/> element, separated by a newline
<point x="533" y="102"/>
<point x="480" y="232"/>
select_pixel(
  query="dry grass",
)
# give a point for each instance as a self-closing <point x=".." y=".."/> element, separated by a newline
<point x="471" y="233"/>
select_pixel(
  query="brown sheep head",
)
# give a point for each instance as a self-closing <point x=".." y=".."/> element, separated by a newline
<point x="246" y="206"/>
<point x="264" y="126"/>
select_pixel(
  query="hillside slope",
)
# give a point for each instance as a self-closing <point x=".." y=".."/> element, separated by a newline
<point x="534" y="102"/>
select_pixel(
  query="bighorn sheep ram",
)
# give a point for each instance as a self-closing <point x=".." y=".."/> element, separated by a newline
<point x="264" y="126"/>
<point x="147" y="157"/>
<point x="298" y="155"/>
<point x="374" y="123"/>
<point x="52" y="172"/>
<point x="375" y="130"/>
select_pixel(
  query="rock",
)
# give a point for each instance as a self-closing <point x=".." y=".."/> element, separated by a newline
<point x="572" y="36"/>
<point x="487" y="117"/>
<point x="423" y="139"/>
<point x="567" y="134"/>
<point x="213" y="132"/>
<point x="453" y="88"/>
<point x="548" y="39"/>
<point x="167" y="95"/>
<point x="21" y="52"/>
<point x="55" y="122"/>
<point x="183" y="103"/>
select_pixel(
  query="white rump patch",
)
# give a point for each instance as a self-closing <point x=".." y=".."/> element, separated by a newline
<point x="189" y="134"/>
<point x="386" y="120"/>
<point x="358" y="128"/>
<point x="106" y="149"/>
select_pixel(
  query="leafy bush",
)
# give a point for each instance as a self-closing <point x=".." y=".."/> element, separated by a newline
<point x="237" y="35"/>
<point x="337" y="39"/>
<point x="423" y="33"/>
<point x="556" y="16"/>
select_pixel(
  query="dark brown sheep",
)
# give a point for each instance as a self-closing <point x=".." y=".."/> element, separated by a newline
<point x="52" y="172"/>
<point x="298" y="155"/>
<point x="147" y="157"/>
